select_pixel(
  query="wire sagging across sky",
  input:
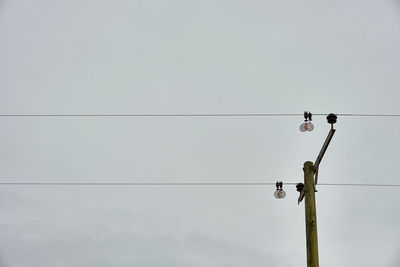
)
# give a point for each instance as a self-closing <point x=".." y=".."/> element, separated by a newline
<point x="198" y="115"/>
<point x="181" y="184"/>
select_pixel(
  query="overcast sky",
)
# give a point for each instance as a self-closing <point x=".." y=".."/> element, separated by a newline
<point x="194" y="57"/>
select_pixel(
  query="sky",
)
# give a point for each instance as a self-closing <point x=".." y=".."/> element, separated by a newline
<point x="197" y="57"/>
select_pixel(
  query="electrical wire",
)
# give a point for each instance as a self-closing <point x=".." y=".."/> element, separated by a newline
<point x="158" y="115"/>
<point x="368" y="185"/>
<point x="136" y="184"/>
<point x="370" y="115"/>
<point x="197" y="115"/>
<point x="181" y="184"/>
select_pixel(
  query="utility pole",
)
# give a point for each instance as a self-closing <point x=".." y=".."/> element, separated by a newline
<point x="307" y="190"/>
<point x="311" y="217"/>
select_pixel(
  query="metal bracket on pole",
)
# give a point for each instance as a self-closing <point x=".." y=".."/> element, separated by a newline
<point x="331" y="120"/>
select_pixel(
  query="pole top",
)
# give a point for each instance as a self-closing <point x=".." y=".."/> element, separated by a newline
<point x="308" y="164"/>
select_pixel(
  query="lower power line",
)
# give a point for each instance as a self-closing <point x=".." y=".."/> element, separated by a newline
<point x="181" y="184"/>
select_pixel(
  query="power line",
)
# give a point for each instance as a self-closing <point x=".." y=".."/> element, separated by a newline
<point x="159" y="115"/>
<point x="370" y="115"/>
<point x="366" y="185"/>
<point x="181" y="184"/>
<point x="134" y="184"/>
<point x="197" y="115"/>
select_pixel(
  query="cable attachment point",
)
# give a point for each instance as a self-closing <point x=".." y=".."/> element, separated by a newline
<point x="300" y="188"/>
<point x="332" y="119"/>
<point x="279" y="193"/>
<point x="307" y="125"/>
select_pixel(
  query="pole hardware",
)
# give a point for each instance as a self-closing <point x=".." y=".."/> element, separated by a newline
<point x="279" y="193"/>
<point x="332" y="119"/>
<point x="307" y="125"/>
<point x="300" y="189"/>
<point x="307" y="116"/>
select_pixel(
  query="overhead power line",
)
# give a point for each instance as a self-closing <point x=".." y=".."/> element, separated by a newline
<point x="180" y="184"/>
<point x="368" y="185"/>
<point x="137" y="184"/>
<point x="197" y="115"/>
<point x="159" y="115"/>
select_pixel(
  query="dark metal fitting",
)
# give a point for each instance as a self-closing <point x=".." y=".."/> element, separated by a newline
<point x="332" y="118"/>
<point x="279" y="185"/>
<point x="300" y="187"/>
<point x="307" y="116"/>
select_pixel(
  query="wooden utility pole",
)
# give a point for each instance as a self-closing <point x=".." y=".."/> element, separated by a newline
<point x="308" y="192"/>
<point x="311" y="217"/>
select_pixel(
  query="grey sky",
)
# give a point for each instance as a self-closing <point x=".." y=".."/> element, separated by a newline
<point x="72" y="57"/>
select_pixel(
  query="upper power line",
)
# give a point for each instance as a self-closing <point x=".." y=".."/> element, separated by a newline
<point x="197" y="115"/>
